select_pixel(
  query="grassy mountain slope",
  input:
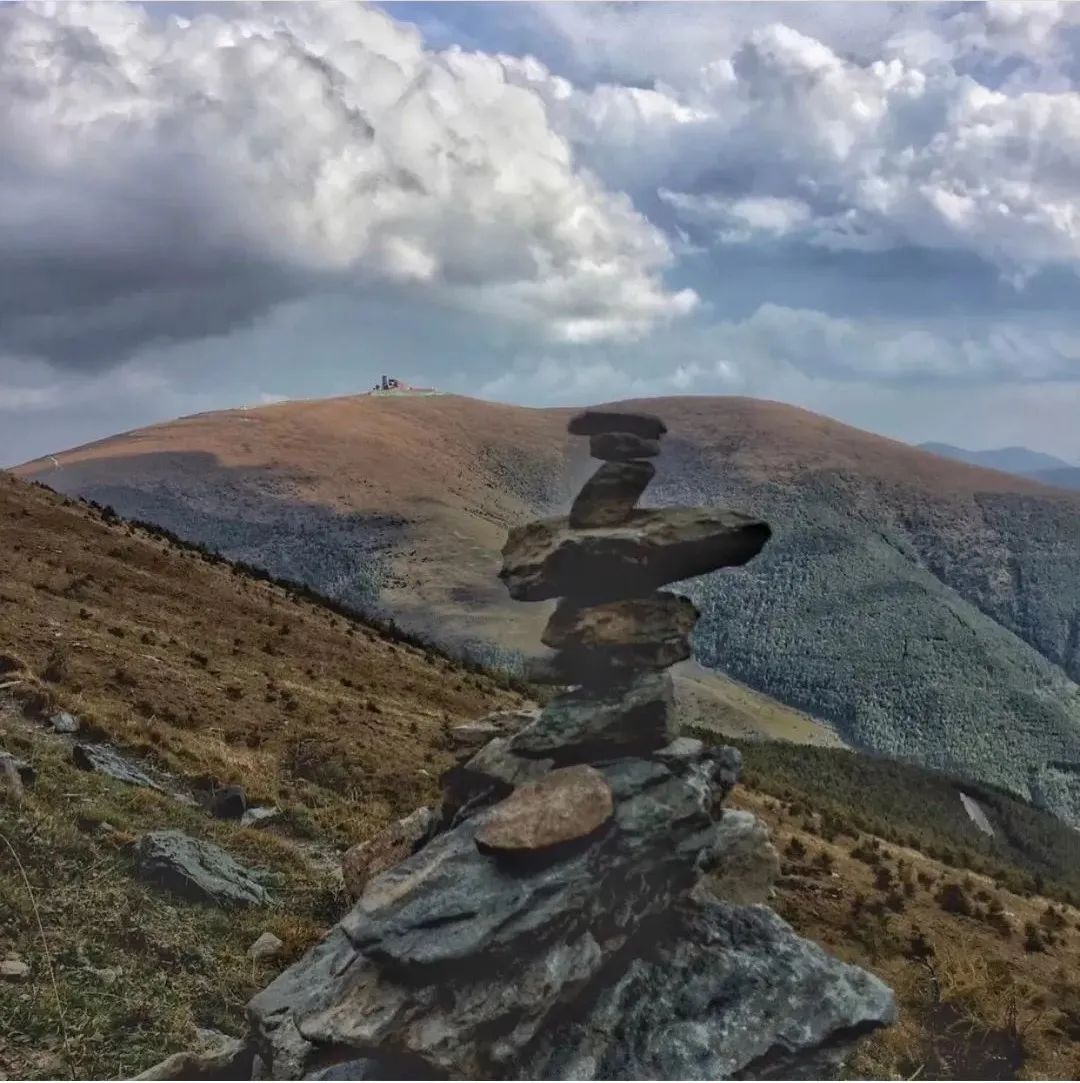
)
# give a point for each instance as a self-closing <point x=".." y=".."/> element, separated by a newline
<point x="926" y="608"/>
<point x="203" y="672"/>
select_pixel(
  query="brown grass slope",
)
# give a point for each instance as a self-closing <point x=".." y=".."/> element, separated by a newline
<point x="923" y="607"/>
<point x="214" y="678"/>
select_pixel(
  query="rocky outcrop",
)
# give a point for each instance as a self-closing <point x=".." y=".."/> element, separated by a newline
<point x="196" y="870"/>
<point x="563" y="917"/>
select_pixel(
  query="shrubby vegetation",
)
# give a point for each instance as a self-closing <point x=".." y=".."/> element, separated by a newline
<point x="852" y="793"/>
<point x="915" y="629"/>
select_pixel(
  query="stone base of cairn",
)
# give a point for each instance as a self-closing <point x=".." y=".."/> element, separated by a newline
<point x="556" y="920"/>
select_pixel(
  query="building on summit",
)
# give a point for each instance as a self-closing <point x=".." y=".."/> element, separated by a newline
<point x="391" y="385"/>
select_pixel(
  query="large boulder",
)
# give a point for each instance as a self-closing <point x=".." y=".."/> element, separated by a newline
<point x="452" y="945"/>
<point x="597" y="964"/>
<point x="548" y="559"/>
<point x="725" y="992"/>
<point x="196" y="870"/>
<point x="579" y="727"/>
<point x="391" y="845"/>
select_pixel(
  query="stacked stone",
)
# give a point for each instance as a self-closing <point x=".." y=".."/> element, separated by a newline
<point x="614" y="633"/>
<point x="553" y="921"/>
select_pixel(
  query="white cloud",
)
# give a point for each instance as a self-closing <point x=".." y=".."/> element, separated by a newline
<point x="784" y="136"/>
<point x="188" y="174"/>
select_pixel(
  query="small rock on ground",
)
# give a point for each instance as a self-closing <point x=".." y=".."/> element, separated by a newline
<point x="107" y="761"/>
<point x="196" y="870"/>
<point x="265" y="947"/>
<point x="14" y="969"/>
<point x="63" y="722"/>
<point x="24" y="770"/>
<point x="260" y="815"/>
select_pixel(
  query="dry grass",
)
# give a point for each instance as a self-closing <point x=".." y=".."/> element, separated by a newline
<point x="217" y="676"/>
<point x="975" y="1003"/>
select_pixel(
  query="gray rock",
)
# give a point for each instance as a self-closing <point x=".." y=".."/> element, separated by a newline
<point x="14" y="969"/>
<point x="450" y="920"/>
<point x="107" y="761"/>
<point x="486" y="778"/>
<point x="196" y="870"/>
<point x="228" y="803"/>
<point x="62" y="722"/>
<point x="22" y="769"/>
<point x="228" y="1058"/>
<point x="549" y="559"/>
<point x="622" y="446"/>
<point x="266" y="946"/>
<point x="742" y="864"/>
<point x="577" y="727"/>
<point x="471" y="736"/>
<point x="624" y="622"/>
<point x="727" y="992"/>
<point x="609" y="496"/>
<point x="260" y="815"/>
<point x="593" y="422"/>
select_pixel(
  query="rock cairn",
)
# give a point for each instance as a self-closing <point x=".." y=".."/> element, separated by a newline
<point x="556" y="921"/>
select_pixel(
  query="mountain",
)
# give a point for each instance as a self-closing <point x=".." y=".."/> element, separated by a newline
<point x="202" y="673"/>
<point x="926" y="608"/>
<point x="1064" y="477"/>
<point x="1013" y="460"/>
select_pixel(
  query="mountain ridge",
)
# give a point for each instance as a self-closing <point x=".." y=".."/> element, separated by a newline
<point x="922" y="606"/>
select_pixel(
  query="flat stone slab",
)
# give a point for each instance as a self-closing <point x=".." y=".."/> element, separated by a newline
<point x="107" y="761"/>
<point x="578" y="727"/>
<point x="569" y="804"/>
<point x="625" y="622"/>
<point x="594" y="422"/>
<point x="549" y="559"/>
<point x="196" y="870"/>
<point x="622" y="447"/>
<point x="609" y="496"/>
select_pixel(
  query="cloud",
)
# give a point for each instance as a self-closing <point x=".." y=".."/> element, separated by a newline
<point x="784" y="137"/>
<point x="165" y="179"/>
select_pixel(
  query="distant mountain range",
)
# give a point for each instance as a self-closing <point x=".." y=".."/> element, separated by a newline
<point x="928" y="609"/>
<point x="1014" y="460"/>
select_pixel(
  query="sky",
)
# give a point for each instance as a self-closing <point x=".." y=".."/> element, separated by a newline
<point x="868" y="210"/>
